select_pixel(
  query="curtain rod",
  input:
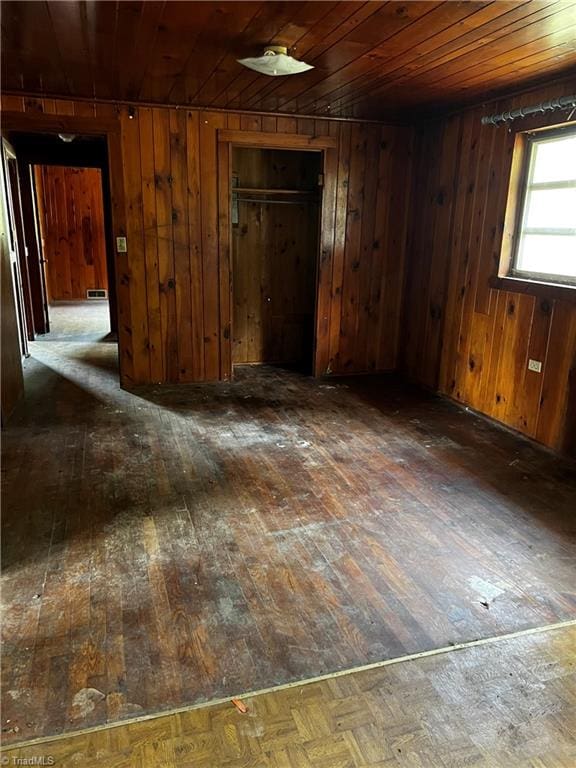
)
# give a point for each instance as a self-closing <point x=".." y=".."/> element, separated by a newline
<point x="564" y="102"/>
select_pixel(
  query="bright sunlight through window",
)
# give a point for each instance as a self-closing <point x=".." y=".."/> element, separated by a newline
<point x="546" y="248"/>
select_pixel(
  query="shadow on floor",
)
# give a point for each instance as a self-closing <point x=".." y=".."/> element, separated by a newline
<point x="193" y="542"/>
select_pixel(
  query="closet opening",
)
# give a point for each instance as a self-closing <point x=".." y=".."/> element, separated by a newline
<point x="275" y="219"/>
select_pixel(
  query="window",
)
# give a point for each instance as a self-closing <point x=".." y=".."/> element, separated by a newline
<point x="546" y="229"/>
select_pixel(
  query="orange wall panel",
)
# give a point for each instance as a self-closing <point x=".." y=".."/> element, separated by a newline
<point x="72" y="225"/>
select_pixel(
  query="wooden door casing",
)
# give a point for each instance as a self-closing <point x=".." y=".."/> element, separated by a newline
<point x="107" y="124"/>
<point x="227" y="141"/>
<point x="275" y="253"/>
<point x="17" y="246"/>
<point x="275" y="245"/>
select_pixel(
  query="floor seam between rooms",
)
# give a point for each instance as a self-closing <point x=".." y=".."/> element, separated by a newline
<point x="294" y="684"/>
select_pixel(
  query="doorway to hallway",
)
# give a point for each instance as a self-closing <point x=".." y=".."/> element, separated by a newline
<point x="70" y="206"/>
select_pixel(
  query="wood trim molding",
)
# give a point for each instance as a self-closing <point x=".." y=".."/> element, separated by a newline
<point x="513" y="204"/>
<point x="549" y="291"/>
<point x="276" y="140"/>
<point x="504" y="280"/>
<point x="328" y="146"/>
<point x="196" y="108"/>
<point x="224" y="168"/>
<point x="40" y="122"/>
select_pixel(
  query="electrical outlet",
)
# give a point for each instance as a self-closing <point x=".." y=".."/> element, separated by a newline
<point x="121" y="245"/>
<point x="535" y="365"/>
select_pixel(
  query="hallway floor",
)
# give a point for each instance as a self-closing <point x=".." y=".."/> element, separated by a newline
<point x="79" y="321"/>
<point x="175" y="545"/>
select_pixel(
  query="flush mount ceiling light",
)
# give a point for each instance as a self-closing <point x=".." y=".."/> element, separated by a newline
<point x="275" y="61"/>
<point x="67" y="137"/>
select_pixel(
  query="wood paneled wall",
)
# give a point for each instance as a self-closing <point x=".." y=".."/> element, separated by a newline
<point x="462" y="337"/>
<point x="170" y="159"/>
<point x="72" y="224"/>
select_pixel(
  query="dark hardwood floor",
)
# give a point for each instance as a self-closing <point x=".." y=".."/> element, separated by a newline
<point x="175" y="545"/>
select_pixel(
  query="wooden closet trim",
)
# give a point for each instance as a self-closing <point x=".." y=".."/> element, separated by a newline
<point x="328" y="146"/>
<point x="258" y="139"/>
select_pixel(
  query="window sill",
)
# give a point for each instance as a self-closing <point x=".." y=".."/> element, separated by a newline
<point x="535" y="288"/>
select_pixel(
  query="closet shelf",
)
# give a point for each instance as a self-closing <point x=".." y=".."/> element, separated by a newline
<point x="251" y="190"/>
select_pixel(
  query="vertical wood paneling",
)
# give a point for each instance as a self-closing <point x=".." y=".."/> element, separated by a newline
<point x="390" y="242"/>
<point x="122" y="259"/>
<point x="556" y="414"/>
<point x="195" y="244"/>
<point x="287" y="125"/>
<point x="174" y="281"/>
<point x="180" y="242"/>
<point x="166" y="279"/>
<point x="384" y="282"/>
<point x="439" y="237"/>
<point x="339" y="244"/>
<point x="130" y="133"/>
<point x="352" y="259"/>
<point x="368" y="305"/>
<point x="150" y="223"/>
<point x="224" y="265"/>
<point x="463" y="337"/>
<point x="72" y="225"/>
<point x="325" y="261"/>
<point x="210" y="122"/>
<point x="459" y="249"/>
<point x="416" y="303"/>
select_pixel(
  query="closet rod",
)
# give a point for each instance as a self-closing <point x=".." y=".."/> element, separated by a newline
<point x="274" y="202"/>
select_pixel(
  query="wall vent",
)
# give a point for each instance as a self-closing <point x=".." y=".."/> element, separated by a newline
<point x="96" y="293"/>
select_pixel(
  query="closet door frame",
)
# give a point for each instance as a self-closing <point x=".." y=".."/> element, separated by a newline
<point x="328" y="147"/>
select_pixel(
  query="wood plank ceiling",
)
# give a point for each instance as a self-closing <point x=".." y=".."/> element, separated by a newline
<point x="371" y="59"/>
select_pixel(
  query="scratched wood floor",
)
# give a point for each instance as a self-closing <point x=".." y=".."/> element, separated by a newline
<point x="176" y="545"/>
<point x="511" y="704"/>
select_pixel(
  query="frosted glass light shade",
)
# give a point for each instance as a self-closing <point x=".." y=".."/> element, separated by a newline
<point x="275" y="62"/>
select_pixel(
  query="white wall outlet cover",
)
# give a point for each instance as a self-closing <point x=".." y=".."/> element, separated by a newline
<point x="121" y="245"/>
<point x="535" y="365"/>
